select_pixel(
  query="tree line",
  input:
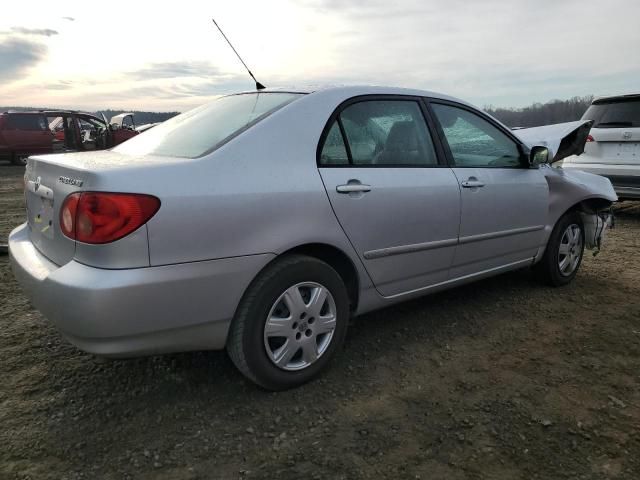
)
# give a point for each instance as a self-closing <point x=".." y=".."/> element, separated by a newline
<point x="537" y="114"/>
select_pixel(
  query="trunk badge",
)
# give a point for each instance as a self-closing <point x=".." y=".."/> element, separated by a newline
<point x="626" y="135"/>
<point x="76" y="182"/>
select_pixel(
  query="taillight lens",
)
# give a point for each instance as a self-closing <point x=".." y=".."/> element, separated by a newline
<point x="99" y="217"/>
<point x="590" y="138"/>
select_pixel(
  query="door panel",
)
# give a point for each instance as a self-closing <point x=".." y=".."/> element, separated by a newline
<point x="28" y="134"/>
<point x="405" y="228"/>
<point x="502" y="221"/>
<point x="504" y="204"/>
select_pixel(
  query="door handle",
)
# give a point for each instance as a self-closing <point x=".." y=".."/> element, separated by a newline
<point x="353" y="188"/>
<point x="472" y="183"/>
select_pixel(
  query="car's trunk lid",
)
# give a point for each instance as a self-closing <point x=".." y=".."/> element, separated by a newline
<point x="616" y="146"/>
<point x="49" y="179"/>
<point x="47" y="184"/>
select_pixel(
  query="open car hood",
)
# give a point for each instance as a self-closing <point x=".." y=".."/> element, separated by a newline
<point x="562" y="139"/>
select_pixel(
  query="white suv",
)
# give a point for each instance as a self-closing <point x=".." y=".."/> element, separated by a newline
<point x="613" y="145"/>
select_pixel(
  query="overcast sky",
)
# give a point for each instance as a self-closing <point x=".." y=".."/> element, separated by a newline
<point x="150" y="55"/>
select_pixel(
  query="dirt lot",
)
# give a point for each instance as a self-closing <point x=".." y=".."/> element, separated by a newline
<point x="503" y="379"/>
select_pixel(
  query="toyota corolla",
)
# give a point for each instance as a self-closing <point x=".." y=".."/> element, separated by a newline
<point x="262" y="221"/>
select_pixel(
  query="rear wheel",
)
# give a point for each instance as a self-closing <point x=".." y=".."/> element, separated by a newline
<point x="290" y="322"/>
<point x="19" y="159"/>
<point x="564" y="252"/>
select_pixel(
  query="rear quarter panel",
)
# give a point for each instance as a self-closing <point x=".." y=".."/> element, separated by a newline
<point x="260" y="193"/>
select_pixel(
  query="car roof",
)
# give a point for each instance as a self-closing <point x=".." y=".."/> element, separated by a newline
<point x="49" y="113"/>
<point x="616" y="98"/>
<point x="356" y="90"/>
<point x="14" y="112"/>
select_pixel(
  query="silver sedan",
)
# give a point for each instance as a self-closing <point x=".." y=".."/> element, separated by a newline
<point x="262" y="221"/>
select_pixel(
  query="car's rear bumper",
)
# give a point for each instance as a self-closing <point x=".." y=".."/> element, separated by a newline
<point x="140" y="311"/>
<point x="624" y="178"/>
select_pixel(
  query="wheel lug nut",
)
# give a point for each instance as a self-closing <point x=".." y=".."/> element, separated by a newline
<point x="308" y="332"/>
<point x="302" y="315"/>
<point x="298" y="335"/>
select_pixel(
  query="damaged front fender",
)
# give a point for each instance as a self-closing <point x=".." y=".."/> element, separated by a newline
<point x="596" y="225"/>
<point x="591" y="195"/>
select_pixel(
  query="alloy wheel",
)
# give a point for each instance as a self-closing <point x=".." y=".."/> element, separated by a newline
<point x="300" y="326"/>
<point x="570" y="250"/>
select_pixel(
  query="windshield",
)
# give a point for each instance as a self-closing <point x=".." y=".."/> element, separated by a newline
<point x="203" y="129"/>
<point x="617" y="114"/>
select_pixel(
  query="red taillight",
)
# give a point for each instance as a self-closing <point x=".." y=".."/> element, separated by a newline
<point x="590" y="138"/>
<point x="97" y="217"/>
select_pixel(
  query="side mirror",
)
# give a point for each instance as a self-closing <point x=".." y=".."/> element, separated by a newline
<point x="538" y="155"/>
<point x="115" y="126"/>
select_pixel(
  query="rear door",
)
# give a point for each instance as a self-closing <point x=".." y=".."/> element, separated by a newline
<point x="28" y="133"/>
<point x="398" y="204"/>
<point x="126" y="130"/>
<point x="504" y="203"/>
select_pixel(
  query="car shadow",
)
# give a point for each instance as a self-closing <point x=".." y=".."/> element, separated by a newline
<point x="193" y="376"/>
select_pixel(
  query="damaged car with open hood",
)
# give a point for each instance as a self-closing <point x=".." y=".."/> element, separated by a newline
<point x="56" y="131"/>
<point x="262" y="221"/>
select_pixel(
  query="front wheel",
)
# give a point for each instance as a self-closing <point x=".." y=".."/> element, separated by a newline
<point x="290" y="322"/>
<point x="564" y="252"/>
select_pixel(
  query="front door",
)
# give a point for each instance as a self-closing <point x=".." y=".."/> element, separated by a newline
<point x="398" y="205"/>
<point x="504" y="202"/>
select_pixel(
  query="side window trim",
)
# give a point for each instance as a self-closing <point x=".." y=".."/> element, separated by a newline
<point x="429" y="101"/>
<point x="441" y="158"/>
<point x="343" y="134"/>
<point x="437" y="135"/>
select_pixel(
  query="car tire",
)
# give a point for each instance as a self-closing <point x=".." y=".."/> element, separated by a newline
<point x="564" y="252"/>
<point x="19" y="160"/>
<point x="264" y="351"/>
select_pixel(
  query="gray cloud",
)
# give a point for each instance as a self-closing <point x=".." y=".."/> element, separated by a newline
<point x="17" y="55"/>
<point x="176" y="70"/>
<point x="363" y="10"/>
<point x="70" y="19"/>
<point x="45" y="32"/>
<point x="209" y="88"/>
<point x="59" y="85"/>
<point x="505" y="52"/>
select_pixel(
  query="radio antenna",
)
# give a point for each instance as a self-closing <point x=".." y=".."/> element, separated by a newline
<point x="259" y="86"/>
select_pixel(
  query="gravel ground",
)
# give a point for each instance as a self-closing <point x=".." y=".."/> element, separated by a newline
<point x="502" y="379"/>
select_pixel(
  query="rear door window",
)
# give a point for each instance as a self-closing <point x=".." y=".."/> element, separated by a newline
<point x="380" y="133"/>
<point x="334" y="150"/>
<point x="26" y="122"/>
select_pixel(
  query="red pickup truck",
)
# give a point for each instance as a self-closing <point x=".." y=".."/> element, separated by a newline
<point x="51" y="131"/>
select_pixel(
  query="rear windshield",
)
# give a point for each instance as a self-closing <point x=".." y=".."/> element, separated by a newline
<point x="616" y="114"/>
<point x="203" y="129"/>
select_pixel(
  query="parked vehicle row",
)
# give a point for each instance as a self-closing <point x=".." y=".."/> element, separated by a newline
<point x="266" y="219"/>
<point x="32" y="133"/>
